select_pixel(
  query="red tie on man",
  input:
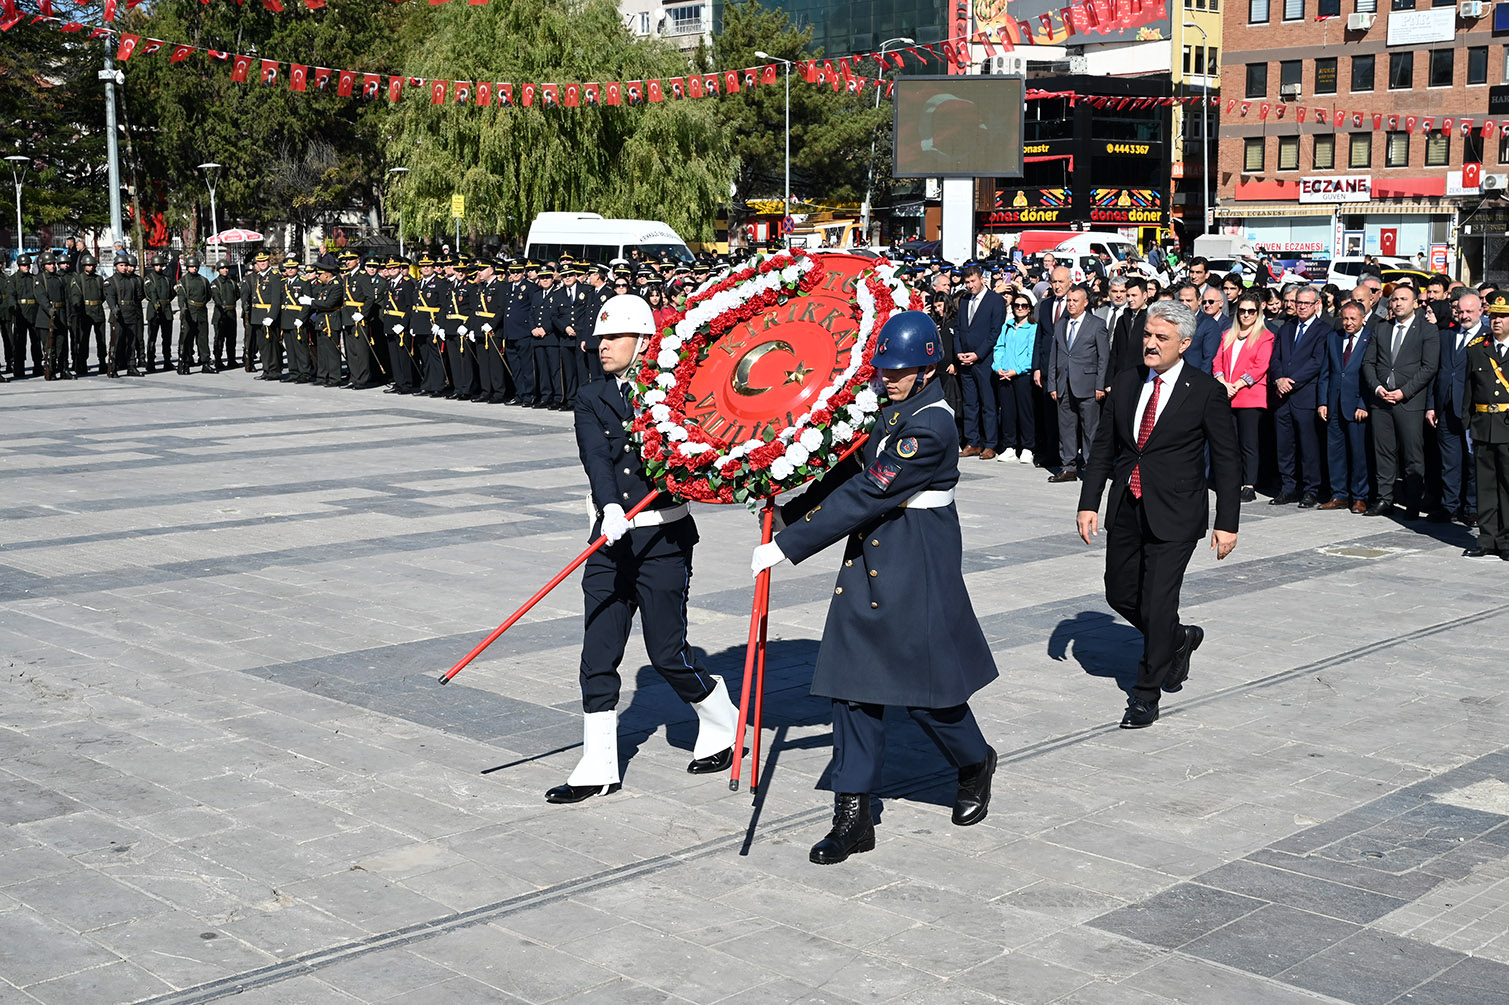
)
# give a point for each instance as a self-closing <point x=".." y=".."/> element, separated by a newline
<point x="1346" y="353"/>
<point x="1149" y="416"/>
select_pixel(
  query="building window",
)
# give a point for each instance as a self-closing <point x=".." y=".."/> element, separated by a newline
<point x="1365" y="7"/>
<point x="1441" y="67"/>
<point x="1197" y="4"/>
<point x="1325" y="152"/>
<point x="1472" y="147"/>
<point x="1362" y="73"/>
<point x="1437" y="149"/>
<point x="1396" y="149"/>
<point x="1189" y="62"/>
<point x="1504" y="148"/>
<point x="1401" y="71"/>
<point x="1257" y="11"/>
<point x="1252" y="155"/>
<point x="1402" y="5"/>
<point x="1210" y="63"/>
<point x="1361" y="153"/>
<point x="1288" y="153"/>
<point x="1257" y="80"/>
<point x="1328" y="8"/>
<point x="1325" y="76"/>
<point x="1289" y="72"/>
<point x="1294" y="10"/>
<point x="1477" y="64"/>
<point x="687" y="19"/>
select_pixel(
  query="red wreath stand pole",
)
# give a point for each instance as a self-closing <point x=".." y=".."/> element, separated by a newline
<point x="528" y="604"/>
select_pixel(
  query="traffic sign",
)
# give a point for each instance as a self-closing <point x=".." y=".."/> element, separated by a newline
<point x="458" y="206"/>
<point x="788" y="225"/>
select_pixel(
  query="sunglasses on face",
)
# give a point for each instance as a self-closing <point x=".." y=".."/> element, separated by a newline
<point x="1246" y="310"/>
<point x="1210" y="301"/>
<point x="1022" y="306"/>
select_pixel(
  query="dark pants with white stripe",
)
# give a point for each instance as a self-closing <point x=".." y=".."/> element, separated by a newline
<point x="859" y="741"/>
<point x="616" y="582"/>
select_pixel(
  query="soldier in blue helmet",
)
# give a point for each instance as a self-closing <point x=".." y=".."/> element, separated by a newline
<point x="901" y="629"/>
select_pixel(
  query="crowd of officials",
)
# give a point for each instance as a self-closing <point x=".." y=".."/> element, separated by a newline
<point x="1389" y="399"/>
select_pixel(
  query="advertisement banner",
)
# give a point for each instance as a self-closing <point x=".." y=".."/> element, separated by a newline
<point x="1031" y="207"/>
<point x="1142" y="206"/>
<point x="1043" y="22"/>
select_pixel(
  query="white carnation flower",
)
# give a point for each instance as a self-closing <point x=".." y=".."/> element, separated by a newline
<point x="654" y="397"/>
<point x="842" y="431"/>
<point x="667" y="359"/>
<point x="812" y="439"/>
<point x="670" y="344"/>
<point x="856" y="414"/>
<point x="867" y="400"/>
<point x="781" y="469"/>
<point x="797" y="454"/>
<point x="660" y="413"/>
<point x="666" y="380"/>
<point x="676" y="434"/>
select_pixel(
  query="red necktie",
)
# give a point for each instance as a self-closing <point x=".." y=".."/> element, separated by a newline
<point x="1058" y="311"/>
<point x="1149" y="416"/>
<point x="1346" y="353"/>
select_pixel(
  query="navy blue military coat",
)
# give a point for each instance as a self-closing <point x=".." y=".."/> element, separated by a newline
<point x="900" y="629"/>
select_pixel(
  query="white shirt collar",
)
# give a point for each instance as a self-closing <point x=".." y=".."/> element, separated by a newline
<point x="1169" y="376"/>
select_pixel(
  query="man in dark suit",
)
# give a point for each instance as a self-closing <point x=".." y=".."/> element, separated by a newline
<point x="1299" y="356"/>
<point x="982" y="313"/>
<point x="1160" y="420"/>
<point x="1126" y="337"/>
<point x="1077" y="364"/>
<point x="1049" y="312"/>
<point x="645" y="565"/>
<point x="1446" y="414"/>
<point x="1344" y="410"/>
<point x="1208" y="330"/>
<point x="1400" y="363"/>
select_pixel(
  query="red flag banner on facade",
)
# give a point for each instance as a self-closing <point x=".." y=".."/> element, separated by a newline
<point x="1428" y="124"/>
<point x="298" y="76"/>
<point x="730" y="82"/>
<point x="1377" y="121"/>
<point x="461" y="92"/>
<point x="180" y="53"/>
<point x="676" y="87"/>
<point x="321" y="78"/>
<point x="694" y="87"/>
<point x="395" y="88"/>
<point x="1472" y="174"/>
<point x="1320" y="116"/>
<point x="345" y="84"/>
<point x="592" y="95"/>
<point x="437" y="91"/>
<point x="1356" y="120"/>
<point x="550" y="95"/>
<point x="1280" y="111"/>
<point x="982" y="39"/>
<point x="127" y="47"/>
<point x="768" y="75"/>
<point x="1245" y="106"/>
<point x="526" y="95"/>
<point x="571" y="95"/>
<point x="1231" y="105"/>
<point x="269" y="73"/>
<point x="613" y="94"/>
<point x="1338" y="119"/>
<point x="1299" y="114"/>
<point x="505" y="95"/>
<point x="1467" y="127"/>
<point x="371" y="86"/>
<point x="949" y="55"/>
<point x="1263" y="111"/>
<point x="1410" y="122"/>
<point x="1393" y="123"/>
<point x="654" y="91"/>
<point x="1488" y="129"/>
<point x="240" y="67"/>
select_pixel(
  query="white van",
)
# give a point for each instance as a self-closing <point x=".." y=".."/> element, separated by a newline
<point x="1082" y="250"/>
<point x="591" y="238"/>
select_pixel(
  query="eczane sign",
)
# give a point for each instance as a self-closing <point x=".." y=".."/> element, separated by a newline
<point x="1336" y="188"/>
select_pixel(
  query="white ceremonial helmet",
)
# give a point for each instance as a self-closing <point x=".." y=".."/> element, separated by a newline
<point x="626" y="314"/>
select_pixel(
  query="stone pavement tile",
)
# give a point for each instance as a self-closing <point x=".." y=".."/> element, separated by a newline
<point x="1099" y="954"/>
<point x="556" y="922"/>
<point x="1318" y="896"/>
<point x="466" y="887"/>
<point x="86" y="900"/>
<point x="1177" y="915"/>
<point x="678" y="966"/>
<point x="24" y="801"/>
<point x="1062" y="902"/>
<point x="301" y="990"/>
<point x="947" y="993"/>
<point x="820" y="962"/>
<point x="1105" y="993"/>
<point x="1271" y="939"/>
<point x="1171" y="858"/>
<point x="846" y="921"/>
<point x="35" y="948"/>
<point x="456" y="991"/>
<point x="174" y="948"/>
<point x="1189" y="981"/>
<point x="517" y="966"/>
<point x="929" y="948"/>
<point x="30" y="862"/>
<point x="1370" y="967"/>
<point x="1023" y="978"/>
<point x="1406" y="886"/>
<point x="372" y="902"/>
<point x="1443" y="992"/>
<point x="284" y="928"/>
<point x="1087" y="870"/>
<point x="785" y="991"/>
<point x="378" y="976"/>
<point x="626" y="992"/>
<point x="179" y="825"/>
<point x="113" y="982"/>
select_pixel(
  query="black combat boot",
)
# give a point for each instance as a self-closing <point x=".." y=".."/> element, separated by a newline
<point x="853" y="830"/>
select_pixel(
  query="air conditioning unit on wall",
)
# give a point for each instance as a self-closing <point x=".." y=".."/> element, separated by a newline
<point x="1473" y="9"/>
<point x="1360" y="22"/>
<point x="1495" y="182"/>
<point x="1288" y="91"/>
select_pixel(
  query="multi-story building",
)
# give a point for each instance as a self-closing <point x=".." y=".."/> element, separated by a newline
<point x="1349" y="129"/>
<point x="683" y="24"/>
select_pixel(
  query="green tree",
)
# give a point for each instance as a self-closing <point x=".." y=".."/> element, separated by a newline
<point x="670" y="161"/>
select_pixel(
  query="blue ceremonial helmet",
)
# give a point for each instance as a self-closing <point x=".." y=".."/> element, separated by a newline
<point x="908" y="339"/>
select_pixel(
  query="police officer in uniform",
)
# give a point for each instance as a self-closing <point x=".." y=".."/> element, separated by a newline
<point x="193" y="292"/>
<point x="124" y="294"/>
<point x="900" y="629"/>
<point x="24" y="327"/>
<point x="357" y="316"/>
<point x="52" y="318"/>
<point x="261" y="305"/>
<point x="543" y="302"/>
<point x="517" y="338"/>
<point x="86" y="303"/>
<point x="397" y="309"/>
<point x="223" y="294"/>
<point x="159" y="287"/>
<point x="291" y="319"/>
<point x="1487" y="410"/>
<point x="646" y="564"/>
<point x="7" y="318"/>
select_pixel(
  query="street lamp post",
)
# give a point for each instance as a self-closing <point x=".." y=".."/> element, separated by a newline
<point x="209" y="168"/>
<point x="786" y="209"/>
<point x="18" y="167"/>
<point x="1204" y="126"/>
<point x="400" y="172"/>
<point x="864" y="212"/>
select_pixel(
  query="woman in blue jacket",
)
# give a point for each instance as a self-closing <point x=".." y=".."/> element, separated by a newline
<point x="1013" y="384"/>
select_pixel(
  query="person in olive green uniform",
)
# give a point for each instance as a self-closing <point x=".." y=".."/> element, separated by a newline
<point x="223" y="294"/>
<point x="326" y="305"/>
<point x="24" y="325"/>
<point x="1486" y="405"/>
<point x="125" y="293"/>
<point x="193" y="292"/>
<point x="86" y="311"/>
<point x="291" y="306"/>
<point x="52" y="319"/>
<point x="7" y="319"/>
<point x="159" y="287"/>
<point x="261" y="300"/>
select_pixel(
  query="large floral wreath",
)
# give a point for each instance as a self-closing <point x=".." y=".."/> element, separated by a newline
<point x="686" y="461"/>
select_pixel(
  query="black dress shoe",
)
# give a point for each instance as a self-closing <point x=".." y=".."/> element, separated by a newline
<point x="972" y="801"/>
<point x="853" y="830"/>
<point x="1438" y="516"/>
<point x="576" y="793"/>
<point x="1468" y="519"/>
<point x="286" y="378"/>
<point x="721" y="761"/>
<point x="1066" y="475"/>
<point x="1379" y="509"/>
<point x="304" y="380"/>
<point x="1477" y="551"/>
<point x="1308" y="501"/>
<point x="132" y="371"/>
<point x="510" y="401"/>
<point x="1179" y="672"/>
<point x="1249" y="494"/>
<point x="1140" y="714"/>
<point x="1283" y="499"/>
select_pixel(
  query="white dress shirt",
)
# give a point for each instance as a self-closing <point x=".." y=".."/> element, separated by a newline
<point x="1166" y="394"/>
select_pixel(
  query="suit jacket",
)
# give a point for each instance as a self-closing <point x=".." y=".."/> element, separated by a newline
<point x="979" y="336"/>
<point x="1173" y="459"/>
<point x="1301" y="361"/>
<point x="1126" y="342"/>
<point x="1081" y="369"/>
<point x="1202" y="350"/>
<point x="1340" y="387"/>
<point x="1410" y="370"/>
<point x="1254" y="356"/>
<point x="1043" y="346"/>
<point x="1448" y="390"/>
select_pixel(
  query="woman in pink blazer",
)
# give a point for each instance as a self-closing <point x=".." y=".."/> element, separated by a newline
<point x="1242" y="365"/>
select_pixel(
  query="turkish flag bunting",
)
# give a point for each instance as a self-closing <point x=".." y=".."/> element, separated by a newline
<point x="694" y="87"/>
<point x="127" y="47"/>
<point x="712" y="86"/>
<point x="634" y="93"/>
<point x="1472" y="174"/>
<point x="980" y="38"/>
<point x="345" y="83"/>
<point x="270" y="71"/>
<point x="730" y="83"/>
<point x="1467" y="127"/>
<point x="768" y="74"/>
<point x="844" y="69"/>
<point x="461" y="91"/>
<point x="395" y="88"/>
<point x="180" y="53"/>
<point x="45" y="6"/>
<point x="1356" y="120"/>
<point x="751" y="78"/>
<point x="276" y="6"/>
<point x="677" y="87"/>
<point x="148" y="47"/>
<point x="550" y="95"/>
<point x="110" y="9"/>
<point x="484" y="94"/>
<point x="321" y="77"/>
<point x="1488" y="129"/>
<point x="808" y="70"/>
<point x="1428" y="124"/>
<point x="1338" y="118"/>
<point x="94" y="33"/>
<point x="1231" y="105"/>
<point x="437" y="91"/>
<point x="371" y="86"/>
<point x="918" y="54"/>
<point x="1263" y="110"/>
<point x="949" y="55"/>
<point x="653" y="90"/>
<point x="314" y="4"/>
<point x="1320" y="116"/>
<point x="1393" y="123"/>
<point x="1281" y="111"/>
<point x="240" y="67"/>
<point x="591" y="96"/>
<point x="613" y="94"/>
<point x="298" y="75"/>
<point x="526" y="95"/>
<point x="571" y="95"/>
<point x="1410" y="122"/>
<point x="1245" y="106"/>
<point x="1299" y="114"/>
<point x="505" y="95"/>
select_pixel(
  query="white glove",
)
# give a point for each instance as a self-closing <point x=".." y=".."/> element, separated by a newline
<point x="267" y="322"/>
<point x="398" y="329"/>
<point x="298" y="322"/>
<point x="437" y="330"/>
<point x="356" y="315"/>
<point x="461" y="330"/>
<point x="615" y="524"/>
<point x="471" y="337"/>
<point x="486" y="327"/>
<point x="766" y="556"/>
<point x="306" y="301"/>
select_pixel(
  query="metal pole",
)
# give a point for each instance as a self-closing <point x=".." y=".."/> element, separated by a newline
<point x="400" y="172"/>
<point x="19" y="241"/>
<point x="864" y="211"/>
<point x="112" y="148"/>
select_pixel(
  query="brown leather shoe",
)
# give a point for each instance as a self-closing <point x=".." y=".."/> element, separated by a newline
<point x="987" y="454"/>
<point x="1337" y="503"/>
<point x="1359" y="507"/>
<point x="970" y="452"/>
<point x="1066" y="475"/>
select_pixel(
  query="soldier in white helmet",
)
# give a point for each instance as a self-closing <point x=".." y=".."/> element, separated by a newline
<point x="646" y="566"/>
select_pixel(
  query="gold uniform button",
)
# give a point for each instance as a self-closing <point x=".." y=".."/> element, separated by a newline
<point x="848" y="562"/>
<point x="875" y="542"/>
<point x="838" y="590"/>
<point x="873" y="573"/>
<point x="873" y="605"/>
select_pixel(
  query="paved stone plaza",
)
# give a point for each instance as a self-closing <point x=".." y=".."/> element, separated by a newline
<point x="226" y="767"/>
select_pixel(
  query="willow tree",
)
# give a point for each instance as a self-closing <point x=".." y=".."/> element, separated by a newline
<point x="670" y="161"/>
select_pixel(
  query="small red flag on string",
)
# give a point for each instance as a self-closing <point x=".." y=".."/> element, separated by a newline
<point x="321" y="78"/>
<point x="768" y="74"/>
<point x="677" y="88"/>
<point x="633" y="93"/>
<point x="730" y="82"/>
<point x="314" y="4"/>
<point x="395" y="88"/>
<point x="526" y="94"/>
<point x="371" y="85"/>
<point x="982" y="39"/>
<point x="550" y="96"/>
<point x="127" y="47"/>
<point x="694" y="87"/>
<point x="461" y="92"/>
<point x="180" y="53"/>
<point x="571" y="95"/>
<point x="437" y="91"/>
<point x="240" y="66"/>
<point x="110" y="10"/>
<point x="345" y="84"/>
<point x="653" y="91"/>
<point x="712" y="86"/>
<point x="298" y="75"/>
<point x="45" y="6"/>
<point x="505" y="94"/>
<point x="591" y="96"/>
<point x="270" y="71"/>
<point x="808" y="69"/>
<point x="613" y="93"/>
<point x="484" y="94"/>
<point x="276" y="6"/>
<point x="148" y="47"/>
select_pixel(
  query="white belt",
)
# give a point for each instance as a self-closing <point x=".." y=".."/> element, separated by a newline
<point x="656" y="517"/>
<point x="930" y="499"/>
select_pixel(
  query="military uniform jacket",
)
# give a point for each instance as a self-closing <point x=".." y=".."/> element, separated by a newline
<point x="261" y="297"/>
<point x="458" y="309"/>
<point x="52" y="302"/>
<point x="431" y="298"/>
<point x="901" y="629"/>
<point x="224" y="294"/>
<point x="159" y="289"/>
<point x="1487" y="384"/>
<point x="486" y="300"/>
<point x="516" y="321"/>
<point x="397" y="303"/>
<point x="615" y="474"/>
<point x="86" y="296"/>
<point x="556" y="313"/>
<point x="360" y="291"/>
<point x="124" y="294"/>
<point x="328" y="306"/>
<point x="540" y="305"/>
<point x="26" y="291"/>
<point x="7" y="297"/>
<point x="290" y="311"/>
<point x="596" y="299"/>
<point x="193" y="294"/>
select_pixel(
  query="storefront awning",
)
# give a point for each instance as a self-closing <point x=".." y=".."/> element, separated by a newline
<point x="1263" y="212"/>
<point x="1272" y="210"/>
